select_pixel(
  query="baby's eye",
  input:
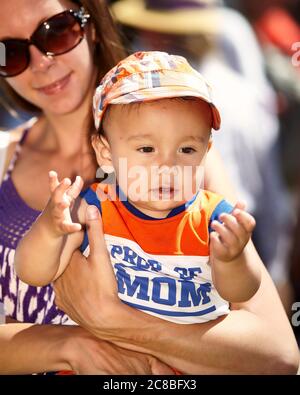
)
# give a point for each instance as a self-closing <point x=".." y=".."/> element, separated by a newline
<point x="187" y="150"/>
<point x="146" y="149"/>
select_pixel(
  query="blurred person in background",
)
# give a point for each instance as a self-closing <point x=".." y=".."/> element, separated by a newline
<point x="277" y="25"/>
<point x="221" y="44"/>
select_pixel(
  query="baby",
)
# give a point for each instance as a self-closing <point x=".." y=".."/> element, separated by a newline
<point x="178" y="251"/>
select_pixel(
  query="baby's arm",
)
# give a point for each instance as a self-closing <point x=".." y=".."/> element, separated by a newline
<point x="45" y="250"/>
<point x="235" y="277"/>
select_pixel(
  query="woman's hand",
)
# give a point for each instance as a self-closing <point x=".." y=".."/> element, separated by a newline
<point x="88" y="355"/>
<point x="94" y="298"/>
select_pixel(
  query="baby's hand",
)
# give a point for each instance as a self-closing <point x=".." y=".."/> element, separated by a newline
<point x="63" y="195"/>
<point x="231" y="236"/>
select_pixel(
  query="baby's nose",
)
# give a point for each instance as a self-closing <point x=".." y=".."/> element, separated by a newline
<point x="164" y="170"/>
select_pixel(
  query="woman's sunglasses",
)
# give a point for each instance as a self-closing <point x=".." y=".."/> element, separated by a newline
<point x="55" y="36"/>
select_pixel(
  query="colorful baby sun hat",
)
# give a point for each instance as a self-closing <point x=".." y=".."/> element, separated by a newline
<point x="149" y="76"/>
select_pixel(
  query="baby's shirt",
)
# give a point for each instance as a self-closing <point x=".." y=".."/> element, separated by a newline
<point x="162" y="265"/>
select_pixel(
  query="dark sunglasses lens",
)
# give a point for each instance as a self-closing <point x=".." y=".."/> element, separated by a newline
<point x="16" y="58"/>
<point x="59" y="34"/>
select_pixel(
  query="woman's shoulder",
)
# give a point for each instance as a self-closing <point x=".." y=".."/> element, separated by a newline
<point x="14" y="137"/>
<point x="16" y="133"/>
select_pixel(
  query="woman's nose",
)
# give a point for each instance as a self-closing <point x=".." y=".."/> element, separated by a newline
<point x="39" y="61"/>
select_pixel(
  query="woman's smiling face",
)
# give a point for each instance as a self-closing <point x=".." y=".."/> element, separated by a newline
<point x="60" y="84"/>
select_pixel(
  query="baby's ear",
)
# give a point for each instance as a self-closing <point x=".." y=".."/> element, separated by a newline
<point x="102" y="150"/>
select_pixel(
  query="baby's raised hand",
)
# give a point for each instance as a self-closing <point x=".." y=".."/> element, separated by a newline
<point x="63" y="195"/>
<point x="230" y="237"/>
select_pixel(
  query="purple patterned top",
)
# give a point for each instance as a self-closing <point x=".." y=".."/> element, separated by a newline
<point x="21" y="301"/>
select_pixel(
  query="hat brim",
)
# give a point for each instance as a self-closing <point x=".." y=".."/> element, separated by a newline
<point x="186" y="22"/>
<point x="161" y="93"/>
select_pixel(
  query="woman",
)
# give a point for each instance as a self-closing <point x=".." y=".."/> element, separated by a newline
<point x="62" y="87"/>
<point x="59" y="89"/>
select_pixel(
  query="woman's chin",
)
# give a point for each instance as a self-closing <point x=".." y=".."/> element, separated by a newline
<point x="61" y="106"/>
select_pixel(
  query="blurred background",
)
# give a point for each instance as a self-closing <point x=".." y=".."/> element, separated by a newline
<point x="249" y="50"/>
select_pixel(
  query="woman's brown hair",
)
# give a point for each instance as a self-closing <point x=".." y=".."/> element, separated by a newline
<point x="108" y="51"/>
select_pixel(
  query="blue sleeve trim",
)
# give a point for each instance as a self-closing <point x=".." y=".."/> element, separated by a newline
<point x="91" y="198"/>
<point x="222" y="207"/>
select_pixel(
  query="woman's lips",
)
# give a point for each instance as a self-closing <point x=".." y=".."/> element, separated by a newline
<point x="55" y="87"/>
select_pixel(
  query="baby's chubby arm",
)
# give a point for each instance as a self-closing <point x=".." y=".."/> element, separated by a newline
<point x="235" y="276"/>
<point x="44" y="252"/>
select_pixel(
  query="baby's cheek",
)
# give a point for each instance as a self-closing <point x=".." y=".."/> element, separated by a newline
<point x="192" y="179"/>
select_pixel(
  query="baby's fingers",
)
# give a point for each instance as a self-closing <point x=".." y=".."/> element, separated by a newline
<point x="245" y="220"/>
<point x="70" y="227"/>
<point x="53" y="181"/>
<point x="75" y="188"/>
<point x="231" y="222"/>
<point x="58" y="195"/>
<point x="240" y="205"/>
<point x="216" y="245"/>
<point x="226" y="236"/>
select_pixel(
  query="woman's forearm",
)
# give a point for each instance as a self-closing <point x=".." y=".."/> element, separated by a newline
<point x="237" y="344"/>
<point x="28" y="348"/>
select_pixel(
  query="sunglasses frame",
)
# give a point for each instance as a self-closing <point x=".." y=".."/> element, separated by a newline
<point x="80" y="15"/>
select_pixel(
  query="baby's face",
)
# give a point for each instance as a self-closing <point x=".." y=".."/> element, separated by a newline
<point x="157" y="150"/>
